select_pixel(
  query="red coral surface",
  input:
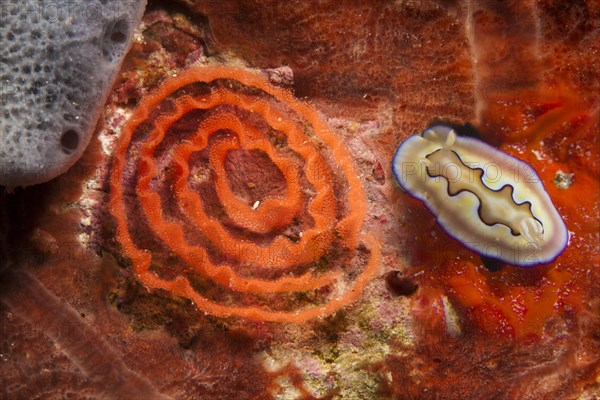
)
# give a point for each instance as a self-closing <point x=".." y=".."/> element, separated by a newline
<point x="77" y="322"/>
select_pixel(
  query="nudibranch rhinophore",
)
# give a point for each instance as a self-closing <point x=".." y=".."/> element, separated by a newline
<point x="493" y="203"/>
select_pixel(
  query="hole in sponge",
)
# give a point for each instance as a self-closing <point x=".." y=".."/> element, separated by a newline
<point x="69" y="141"/>
<point x="118" y="37"/>
<point x="114" y="39"/>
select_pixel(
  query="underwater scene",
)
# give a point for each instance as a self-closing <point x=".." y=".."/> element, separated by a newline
<point x="300" y="200"/>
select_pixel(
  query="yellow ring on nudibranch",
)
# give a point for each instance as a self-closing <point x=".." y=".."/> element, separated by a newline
<point x="494" y="203"/>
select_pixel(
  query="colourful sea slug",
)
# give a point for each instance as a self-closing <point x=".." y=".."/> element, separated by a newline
<point x="493" y="203"/>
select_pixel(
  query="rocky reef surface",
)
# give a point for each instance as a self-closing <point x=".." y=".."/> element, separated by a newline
<point x="428" y="320"/>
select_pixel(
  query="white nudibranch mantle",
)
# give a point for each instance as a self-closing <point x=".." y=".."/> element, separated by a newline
<point x="493" y="203"/>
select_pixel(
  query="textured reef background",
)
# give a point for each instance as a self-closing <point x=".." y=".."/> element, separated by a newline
<point x="432" y="322"/>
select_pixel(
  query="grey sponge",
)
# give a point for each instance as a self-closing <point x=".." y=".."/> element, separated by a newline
<point x="58" y="61"/>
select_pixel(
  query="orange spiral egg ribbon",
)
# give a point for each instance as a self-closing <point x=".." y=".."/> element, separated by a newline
<point x="279" y="257"/>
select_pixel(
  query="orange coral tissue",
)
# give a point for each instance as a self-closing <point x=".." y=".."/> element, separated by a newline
<point x="234" y="194"/>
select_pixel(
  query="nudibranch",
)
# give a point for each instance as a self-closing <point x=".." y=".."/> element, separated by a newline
<point x="493" y="203"/>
